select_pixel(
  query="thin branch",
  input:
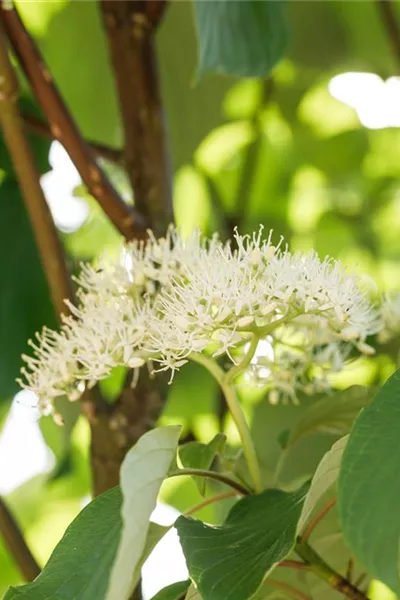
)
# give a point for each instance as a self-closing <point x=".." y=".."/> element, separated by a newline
<point x="320" y="568"/>
<point x="28" y="179"/>
<point x="36" y="125"/>
<point x="126" y="219"/>
<point x="289" y="589"/>
<point x="386" y="9"/>
<point x="213" y="475"/>
<point x="130" y="26"/>
<point x="311" y="526"/>
<point x="293" y="564"/>
<point x="209" y="501"/>
<point x="16" y="544"/>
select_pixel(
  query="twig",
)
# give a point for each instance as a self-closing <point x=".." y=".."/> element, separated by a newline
<point x="311" y="526"/>
<point x="213" y="475"/>
<point x="36" y="125"/>
<point x="292" y="591"/>
<point x="387" y="13"/>
<point x="16" y="544"/>
<point x="320" y="568"/>
<point x="293" y="564"/>
<point x="28" y="179"/>
<point x="209" y="501"/>
<point x="126" y="219"/>
<point x="130" y="26"/>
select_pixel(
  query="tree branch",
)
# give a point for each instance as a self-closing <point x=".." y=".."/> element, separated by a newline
<point x="126" y="219"/>
<point x="238" y="487"/>
<point x="36" y="125"/>
<point x="16" y="544"/>
<point x="130" y="27"/>
<point x="320" y="568"/>
<point x="388" y="17"/>
<point x="28" y="179"/>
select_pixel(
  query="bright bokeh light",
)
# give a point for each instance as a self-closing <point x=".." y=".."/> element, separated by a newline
<point x="19" y="462"/>
<point x="166" y="564"/>
<point x="377" y="102"/>
<point x="69" y="213"/>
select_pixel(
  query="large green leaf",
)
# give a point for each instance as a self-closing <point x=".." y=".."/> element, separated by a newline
<point x="326" y="474"/>
<point x="80" y="564"/>
<point x="142" y="473"/>
<point x="369" y="486"/>
<point x="333" y="414"/>
<point x="240" y="38"/>
<point x="25" y="304"/>
<point x="231" y="561"/>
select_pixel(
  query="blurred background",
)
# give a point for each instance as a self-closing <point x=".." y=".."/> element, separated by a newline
<point x="312" y="153"/>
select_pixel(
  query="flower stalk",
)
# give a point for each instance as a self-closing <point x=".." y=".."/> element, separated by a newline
<point x="237" y="416"/>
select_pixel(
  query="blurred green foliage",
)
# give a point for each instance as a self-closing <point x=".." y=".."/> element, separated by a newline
<point x="282" y="153"/>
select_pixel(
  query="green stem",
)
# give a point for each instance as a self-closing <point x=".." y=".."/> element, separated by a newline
<point x="237" y="369"/>
<point x="267" y="329"/>
<point x="213" y="475"/>
<point x="318" y="566"/>
<point x="237" y="415"/>
<point x="279" y="466"/>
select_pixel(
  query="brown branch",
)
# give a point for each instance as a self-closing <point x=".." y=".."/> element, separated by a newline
<point x="285" y="587"/>
<point x="28" y="179"/>
<point x="36" y="125"/>
<point x="311" y="526"/>
<point x="16" y="544"/>
<point x="126" y="219"/>
<point x="130" y="27"/>
<point x="211" y="500"/>
<point x="386" y="9"/>
<point x="238" y="487"/>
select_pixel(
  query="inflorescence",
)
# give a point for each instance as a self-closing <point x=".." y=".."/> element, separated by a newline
<point x="167" y="300"/>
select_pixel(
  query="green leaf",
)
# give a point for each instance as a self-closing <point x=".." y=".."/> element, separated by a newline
<point x="231" y="561"/>
<point x="326" y="474"/>
<point x="369" y="486"/>
<point x="80" y="564"/>
<point x="142" y="473"/>
<point x="175" y="591"/>
<point x="25" y="304"/>
<point x="334" y="415"/>
<point x="240" y="38"/>
<point x="196" y="455"/>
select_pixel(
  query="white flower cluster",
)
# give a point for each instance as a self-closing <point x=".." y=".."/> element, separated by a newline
<point x="168" y="299"/>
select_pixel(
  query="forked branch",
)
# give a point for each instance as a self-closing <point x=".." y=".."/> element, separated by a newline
<point x="125" y="218"/>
